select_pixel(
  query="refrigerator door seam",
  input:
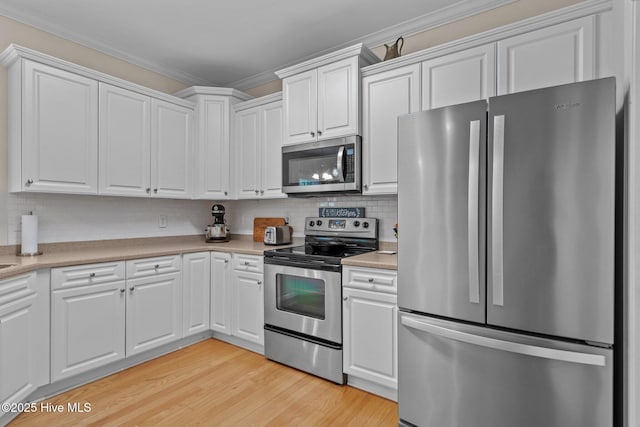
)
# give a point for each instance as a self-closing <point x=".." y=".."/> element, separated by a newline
<point x="473" y="202"/>
<point x="497" y="205"/>
<point x="512" y="347"/>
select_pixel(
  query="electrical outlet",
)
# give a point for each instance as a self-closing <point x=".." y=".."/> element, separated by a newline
<point x="162" y="221"/>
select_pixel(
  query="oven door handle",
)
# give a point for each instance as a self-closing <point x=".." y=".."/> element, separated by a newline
<point x="311" y="264"/>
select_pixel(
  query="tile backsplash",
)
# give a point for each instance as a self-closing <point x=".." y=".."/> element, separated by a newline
<point x="65" y="218"/>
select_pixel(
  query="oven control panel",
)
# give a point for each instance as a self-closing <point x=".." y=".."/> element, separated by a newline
<point x="362" y="227"/>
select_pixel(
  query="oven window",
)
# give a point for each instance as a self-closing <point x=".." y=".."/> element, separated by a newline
<point x="300" y="295"/>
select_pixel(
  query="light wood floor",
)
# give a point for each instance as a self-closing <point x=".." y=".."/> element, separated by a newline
<point x="213" y="383"/>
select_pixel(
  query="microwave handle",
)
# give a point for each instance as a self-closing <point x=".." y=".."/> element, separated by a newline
<point x="340" y="162"/>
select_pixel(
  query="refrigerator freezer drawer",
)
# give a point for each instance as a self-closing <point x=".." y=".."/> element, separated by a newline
<point x="460" y="375"/>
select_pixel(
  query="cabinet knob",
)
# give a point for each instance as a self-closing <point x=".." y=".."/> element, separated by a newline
<point x="256" y="191"/>
<point x="29" y="181"/>
<point x="366" y="187"/>
<point x="345" y="298"/>
<point x="259" y="282"/>
<point x="261" y="192"/>
<point x="156" y="266"/>
<point x="226" y="261"/>
<point x="122" y="290"/>
<point x="312" y="133"/>
<point x="319" y="133"/>
<point x="148" y="190"/>
<point x="132" y="289"/>
<point x="155" y="190"/>
<point x="370" y="279"/>
<point x="246" y="263"/>
<point x="225" y="193"/>
<point x="92" y="274"/>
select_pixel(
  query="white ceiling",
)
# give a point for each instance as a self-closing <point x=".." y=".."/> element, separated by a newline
<point x="235" y="43"/>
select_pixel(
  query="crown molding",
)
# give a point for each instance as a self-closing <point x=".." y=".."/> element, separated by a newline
<point x="267" y="99"/>
<point x="215" y="91"/>
<point x="359" y="49"/>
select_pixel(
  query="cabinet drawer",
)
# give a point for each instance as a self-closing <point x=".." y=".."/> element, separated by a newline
<point x="253" y="263"/>
<point x="151" y="266"/>
<point x="89" y="274"/>
<point x="370" y="279"/>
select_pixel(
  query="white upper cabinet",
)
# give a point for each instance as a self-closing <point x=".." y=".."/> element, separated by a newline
<point x="385" y="96"/>
<point x="171" y="137"/>
<point x="212" y="153"/>
<point x="258" y="143"/>
<point x="322" y="96"/>
<point x="53" y="130"/>
<point x="563" y="53"/>
<point x="125" y="142"/>
<point x="459" y="77"/>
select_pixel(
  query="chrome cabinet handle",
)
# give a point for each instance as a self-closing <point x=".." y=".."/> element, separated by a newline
<point x="345" y="298"/>
<point x="155" y="190"/>
<point x="312" y="133"/>
<point x="246" y="263"/>
<point x="366" y="187"/>
<point x="226" y="261"/>
<point x="122" y="290"/>
<point x="472" y="213"/>
<point x="92" y="274"/>
<point x="132" y="289"/>
<point x="259" y="282"/>
<point x="496" y="211"/>
<point x="148" y="190"/>
<point x="156" y="266"/>
<point x="261" y="192"/>
<point x="225" y="193"/>
<point x="370" y="279"/>
<point x="256" y="191"/>
<point x="29" y="181"/>
<point x="319" y="133"/>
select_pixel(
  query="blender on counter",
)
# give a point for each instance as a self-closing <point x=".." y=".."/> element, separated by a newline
<point x="218" y="231"/>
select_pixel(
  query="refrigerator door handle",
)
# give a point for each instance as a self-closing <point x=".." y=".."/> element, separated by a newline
<point x="497" y="206"/>
<point x="513" y="347"/>
<point x="472" y="225"/>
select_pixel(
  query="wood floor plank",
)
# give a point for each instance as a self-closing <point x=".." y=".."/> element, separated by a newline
<point x="213" y="383"/>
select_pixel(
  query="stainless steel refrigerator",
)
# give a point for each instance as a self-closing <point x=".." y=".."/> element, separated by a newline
<point x="506" y="260"/>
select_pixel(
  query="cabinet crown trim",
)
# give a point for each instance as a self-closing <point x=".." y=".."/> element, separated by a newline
<point x="267" y="99"/>
<point x="367" y="57"/>
<point x="16" y="52"/>
<point x="211" y="90"/>
<point x="569" y="13"/>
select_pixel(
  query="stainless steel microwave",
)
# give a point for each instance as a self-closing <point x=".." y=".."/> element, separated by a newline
<point x="330" y="166"/>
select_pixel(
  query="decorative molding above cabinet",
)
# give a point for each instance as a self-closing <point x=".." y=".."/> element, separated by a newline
<point x="321" y="97"/>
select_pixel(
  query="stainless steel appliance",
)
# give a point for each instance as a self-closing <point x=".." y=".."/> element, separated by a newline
<point x="303" y="294"/>
<point x="329" y="166"/>
<point x="218" y="231"/>
<point x="506" y="265"/>
<point x="277" y="235"/>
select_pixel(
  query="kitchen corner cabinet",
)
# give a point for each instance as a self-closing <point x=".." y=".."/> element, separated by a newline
<point x="321" y="97"/>
<point x="220" y="319"/>
<point x="24" y="336"/>
<point x="196" y="292"/>
<point x="213" y="152"/>
<point x="258" y="143"/>
<point x="248" y="298"/>
<point x="385" y="96"/>
<point x="53" y="130"/>
<point x="370" y="338"/>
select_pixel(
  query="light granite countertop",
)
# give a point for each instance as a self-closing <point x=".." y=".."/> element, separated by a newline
<point x="89" y="252"/>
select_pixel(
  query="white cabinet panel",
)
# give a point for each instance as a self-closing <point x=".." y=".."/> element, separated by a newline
<point x="24" y="336"/>
<point x="59" y="131"/>
<point x="88" y="327"/>
<point x="459" y="77"/>
<point x="221" y="292"/>
<point x="385" y="96"/>
<point x="247" y="141"/>
<point x="338" y="102"/>
<point x="125" y="141"/>
<point x="300" y="94"/>
<point x="271" y="150"/>
<point x="154" y="312"/>
<point x="560" y="54"/>
<point x="248" y="306"/>
<point x="212" y="158"/>
<point x="171" y="136"/>
<point x="196" y="272"/>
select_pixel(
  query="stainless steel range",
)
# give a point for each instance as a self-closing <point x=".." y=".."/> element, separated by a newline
<point x="303" y="294"/>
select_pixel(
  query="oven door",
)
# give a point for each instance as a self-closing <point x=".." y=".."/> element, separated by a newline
<point x="304" y="300"/>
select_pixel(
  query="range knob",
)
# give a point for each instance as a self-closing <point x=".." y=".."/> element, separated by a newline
<point x="319" y="222"/>
<point x="311" y="223"/>
<point x="356" y="223"/>
<point x="365" y="224"/>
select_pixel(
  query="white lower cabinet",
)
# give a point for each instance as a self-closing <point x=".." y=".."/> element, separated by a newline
<point x="248" y="306"/>
<point x="196" y="291"/>
<point x="220" y="319"/>
<point x="370" y="338"/>
<point x="24" y="336"/>
<point x="99" y="314"/>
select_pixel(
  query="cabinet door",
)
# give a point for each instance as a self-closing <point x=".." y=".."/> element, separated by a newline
<point x="24" y="336"/>
<point x="195" y="292"/>
<point x="459" y="77"/>
<point x="154" y="312"/>
<point x="556" y="55"/>
<point x="248" y="144"/>
<point x="220" y="292"/>
<point x="271" y="149"/>
<point x="87" y="328"/>
<point x="59" y="130"/>
<point x="171" y="140"/>
<point x="370" y="336"/>
<point x="338" y="98"/>
<point x="125" y="123"/>
<point x="248" y="306"/>
<point x="300" y="95"/>
<point x="212" y="156"/>
<point x="386" y="96"/>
